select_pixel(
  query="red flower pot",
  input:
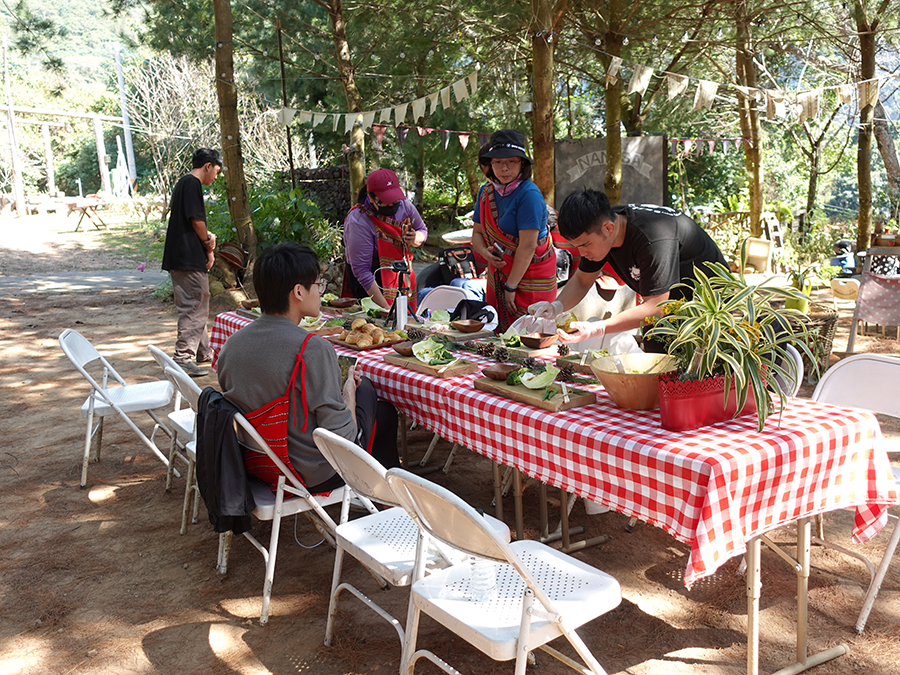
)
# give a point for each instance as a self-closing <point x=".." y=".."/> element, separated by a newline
<point x="691" y="404"/>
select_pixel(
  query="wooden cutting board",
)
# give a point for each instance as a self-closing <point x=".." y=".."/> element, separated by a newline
<point x="575" y="360"/>
<point x="411" y="362"/>
<point x="577" y="397"/>
<point x="334" y="339"/>
<point x="458" y="336"/>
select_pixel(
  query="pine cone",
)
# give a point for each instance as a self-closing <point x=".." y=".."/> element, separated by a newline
<point x="470" y="345"/>
<point x="486" y="349"/>
<point x="501" y="354"/>
<point x="531" y="363"/>
<point x="563" y="350"/>
<point x="347" y="324"/>
<point x="566" y="371"/>
<point x="416" y="334"/>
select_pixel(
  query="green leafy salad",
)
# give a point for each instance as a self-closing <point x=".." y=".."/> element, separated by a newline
<point x="541" y="380"/>
<point x="511" y="338"/>
<point x="432" y="352"/>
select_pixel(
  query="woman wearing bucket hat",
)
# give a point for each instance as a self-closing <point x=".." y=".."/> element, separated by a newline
<point x="381" y="229"/>
<point x="510" y="230"/>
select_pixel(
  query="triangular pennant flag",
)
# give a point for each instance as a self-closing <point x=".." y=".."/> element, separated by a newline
<point x="688" y="147"/>
<point x="445" y="138"/>
<point x="378" y="130"/>
<point x="368" y="119"/>
<point x="335" y="119"/>
<point x="706" y="92"/>
<point x="677" y="84"/>
<point x="304" y="117"/>
<point x="401" y="136"/>
<point x="613" y="71"/>
<point x="774" y="104"/>
<point x="385" y="115"/>
<point x="463" y="140"/>
<point x="432" y="102"/>
<point x="473" y="81"/>
<point x="809" y="105"/>
<point x="673" y="147"/>
<point x="483" y="139"/>
<point x="845" y="93"/>
<point x="285" y="115"/>
<point x="445" y="97"/>
<point x="423" y="131"/>
<point x="640" y="79"/>
<point x="349" y="121"/>
<point x="418" y="108"/>
<point x="711" y="145"/>
<point x="726" y="146"/>
<point x="868" y="93"/>
<point x="400" y="113"/>
<point x="748" y="142"/>
<point x="460" y="91"/>
<point x="318" y="118"/>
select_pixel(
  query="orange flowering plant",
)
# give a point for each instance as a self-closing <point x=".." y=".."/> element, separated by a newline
<point x="731" y="328"/>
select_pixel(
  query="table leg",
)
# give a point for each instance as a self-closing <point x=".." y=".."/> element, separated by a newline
<point x="753" y="590"/>
<point x="404" y="454"/>
<point x="518" y="489"/>
<point x="498" y="491"/>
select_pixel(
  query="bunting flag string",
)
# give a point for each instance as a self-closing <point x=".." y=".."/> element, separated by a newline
<point x="461" y="89"/>
<point x="687" y="147"/>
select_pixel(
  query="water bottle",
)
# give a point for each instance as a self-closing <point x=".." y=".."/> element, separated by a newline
<point x="482" y="579"/>
<point x="400" y="308"/>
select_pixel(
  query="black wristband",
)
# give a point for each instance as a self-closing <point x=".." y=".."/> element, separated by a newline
<point x="510" y="289"/>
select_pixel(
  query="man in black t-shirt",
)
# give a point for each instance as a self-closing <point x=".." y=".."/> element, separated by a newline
<point x="187" y="256"/>
<point x="651" y="248"/>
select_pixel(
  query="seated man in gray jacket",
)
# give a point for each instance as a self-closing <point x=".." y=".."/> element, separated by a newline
<point x="289" y="381"/>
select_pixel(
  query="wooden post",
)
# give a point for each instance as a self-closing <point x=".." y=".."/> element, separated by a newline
<point x="48" y="160"/>
<point x="101" y="156"/>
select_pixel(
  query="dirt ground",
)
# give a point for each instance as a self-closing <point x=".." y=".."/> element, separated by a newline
<point x="100" y="581"/>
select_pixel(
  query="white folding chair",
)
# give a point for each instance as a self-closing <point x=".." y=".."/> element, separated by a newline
<point x="793" y="378"/>
<point x="180" y="419"/>
<point x="511" y="624"/>
<point x="385" y="541"/>
<point x="441" y="297"/>
<point x="290" y="498"/>
<point x="871" y="382"/>
<point x="185" y="427"/>
<point x="107" y="400"/>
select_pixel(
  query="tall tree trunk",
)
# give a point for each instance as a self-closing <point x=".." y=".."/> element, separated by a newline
<point x="749" y="117"/>
<point x="356" y="156"/>
<point x="889" y="156"/>
<point x="546" y="17"/>
<point x="866" y="34"/>
<point x="236" y="185"/>
<point x="813" y="185"/>
<point x="612" y="183"/>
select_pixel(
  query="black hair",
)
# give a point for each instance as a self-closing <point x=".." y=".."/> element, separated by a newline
<point x="204" y="156"/>
<point x="361" y="197"/>
<point x="278" y="270"/>
<point x="584" y="211"/>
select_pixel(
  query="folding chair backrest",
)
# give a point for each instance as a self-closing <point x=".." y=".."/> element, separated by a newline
<point x="448" y="518"/>
<point x="188" y="389"/>
<point x="82" y="353"/>
<point x="441" y="297"/>
<point x="869" y="381"/>
<point x="250" y="438"/>
<point x="161" y="358"/>
<point x="358" y="468"/>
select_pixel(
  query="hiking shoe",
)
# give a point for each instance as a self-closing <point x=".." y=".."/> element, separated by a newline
<point x="205" y="359"/>
<point x="192" y="370"/>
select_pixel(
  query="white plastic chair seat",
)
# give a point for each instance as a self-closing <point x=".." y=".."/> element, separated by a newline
<point x="183" y="423"/>
<point x="581" y="593"/>
<point x="441" y="297"/>
<point x="265" y="501"/>
<point x="131" y="398"/>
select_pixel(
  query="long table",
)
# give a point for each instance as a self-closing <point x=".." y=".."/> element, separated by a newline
<point x="718" y="489"/>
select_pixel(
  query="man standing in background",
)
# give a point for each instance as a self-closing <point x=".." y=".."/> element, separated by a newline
<point x="188" y="256"/>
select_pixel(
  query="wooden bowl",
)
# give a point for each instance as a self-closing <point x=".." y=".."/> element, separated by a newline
<point x="499" y="371"/>
<point x="539" y="340"/>
<point x="342" y="302"/>
<point x="403" y="348"/>
<point x="250" y="304"/>
<point x="636" y="388"/>
<point x="467" y="325"/>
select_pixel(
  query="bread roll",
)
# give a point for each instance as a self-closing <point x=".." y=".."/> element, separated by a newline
<point x="353" y="337"/>
<point x="368" y="328"/>
<point x="343" y="335"/>
<point x="377" y="336"/>
<point x="357" y="323"/>
<point x="364" y="340"/>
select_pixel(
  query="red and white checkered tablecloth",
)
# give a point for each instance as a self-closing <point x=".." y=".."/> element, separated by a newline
<point x="713" y="488"/>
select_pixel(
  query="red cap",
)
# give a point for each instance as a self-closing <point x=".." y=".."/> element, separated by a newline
<point x="384" y="183"/>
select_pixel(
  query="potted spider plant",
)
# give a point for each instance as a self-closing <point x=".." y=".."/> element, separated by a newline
<point x="728" y="342"/>
<point x="801" y="279"/>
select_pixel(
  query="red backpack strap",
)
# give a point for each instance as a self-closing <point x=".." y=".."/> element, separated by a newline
<point x="301" y="366"/>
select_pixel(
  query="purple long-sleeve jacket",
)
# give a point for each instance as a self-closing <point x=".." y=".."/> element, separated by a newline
<point x="359" y="239"/>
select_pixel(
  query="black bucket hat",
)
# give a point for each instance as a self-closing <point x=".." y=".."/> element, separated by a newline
<point x="506" y="143"/>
